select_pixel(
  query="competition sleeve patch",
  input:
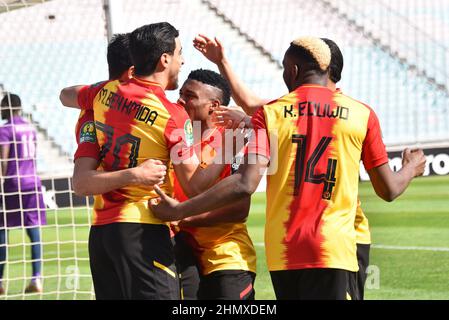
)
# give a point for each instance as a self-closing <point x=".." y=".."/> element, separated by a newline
<point x="88" y="133"/>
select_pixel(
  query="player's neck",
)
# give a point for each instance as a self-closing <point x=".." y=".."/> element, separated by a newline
<point x="332" y="85"/>
<point x="206" y="125"/>
<point x="311" y="79"/>
<point x="157" y="77"/>
<point x="14" y="115"/>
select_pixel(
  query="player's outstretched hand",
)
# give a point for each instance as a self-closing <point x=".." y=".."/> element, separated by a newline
<point x="416" y="158"/>
<point x="150" y="173"/>
<point x="229" y="117"/>
<point x="211" y="49"/>
<point x="165" y="208"/>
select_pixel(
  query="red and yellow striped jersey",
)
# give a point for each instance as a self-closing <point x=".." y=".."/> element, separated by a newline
<point x="86" y="136"/>
<point x="225" y="246"/>
<point x="134" y="122"/>
<point x="361" y="225"/>
<point x="321" y="136"/>
<point x="362" y="232"/>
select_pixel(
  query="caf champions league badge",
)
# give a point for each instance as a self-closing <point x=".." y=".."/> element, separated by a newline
<point x="87" y="132"/>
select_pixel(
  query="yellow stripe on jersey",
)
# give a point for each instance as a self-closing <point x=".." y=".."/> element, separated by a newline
<point x="339" y="249"/>
<point x="362" y="232"/>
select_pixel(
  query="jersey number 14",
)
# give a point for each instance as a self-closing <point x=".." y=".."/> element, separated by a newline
<point x="327" y="179"/>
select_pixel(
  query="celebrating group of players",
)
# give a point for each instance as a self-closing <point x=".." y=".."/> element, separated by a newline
<point x="136" y="150"/>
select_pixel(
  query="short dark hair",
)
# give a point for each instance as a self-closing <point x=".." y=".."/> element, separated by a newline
<point x="118" y="56"/>
<point x="148" y="43"/>
<point x="11" y="100"/>
<point x="336" y="66"/>
<point x="213" y="79"/>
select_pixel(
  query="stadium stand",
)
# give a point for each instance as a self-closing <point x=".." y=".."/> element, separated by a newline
<point x="410" y="102"/>
<point x="55" y="44"/>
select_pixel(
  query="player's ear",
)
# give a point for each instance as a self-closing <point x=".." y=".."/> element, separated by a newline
<point x="131" y="72"/>
<point x="214" y="105"/>
<point x="165" y="59"/>
<point x="295" y="72"/>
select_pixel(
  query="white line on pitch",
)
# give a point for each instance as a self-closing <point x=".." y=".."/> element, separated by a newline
<point x="387" y="247"/>
<point x="381" y="246"/>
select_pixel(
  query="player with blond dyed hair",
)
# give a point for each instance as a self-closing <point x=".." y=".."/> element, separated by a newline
<point x="321" y="136"/>
<point x="213" y="50"/>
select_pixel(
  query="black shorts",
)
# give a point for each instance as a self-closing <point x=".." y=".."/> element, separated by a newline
<point x="187" y="267"/>
<point x="315" y="284"/>
<point x="363" y="259"/>
<point x="133" y="261"/>
<point x="227" y="285"/>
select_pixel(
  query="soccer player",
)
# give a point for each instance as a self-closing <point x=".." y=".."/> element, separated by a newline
<point x="89" y="181"/>
<point x="87" y="154"/>
<point x="86" y="179"/>
<point x="214" y="51"/>
<point x="226" y="274"/>
<point x="23" y="201"/>
<point x="363" y="235"/>
<point x="312" y="196"/>
<point x="135" y="122"/>
<point x="227" y="258"/>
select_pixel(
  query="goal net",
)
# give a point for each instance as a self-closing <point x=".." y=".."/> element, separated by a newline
<point x="43" y="252"/>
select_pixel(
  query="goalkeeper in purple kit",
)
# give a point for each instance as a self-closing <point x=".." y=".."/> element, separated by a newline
<point x="23" y="204"/>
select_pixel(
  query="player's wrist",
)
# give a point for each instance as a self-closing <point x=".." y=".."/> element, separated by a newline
<point x="408" y="170"/>
<point x="182" y="210"/>
<point x="133" y="175"/>
<point x="186" y="222"/>
<point x="247" y="121"/>
<point x="222" y="63"/>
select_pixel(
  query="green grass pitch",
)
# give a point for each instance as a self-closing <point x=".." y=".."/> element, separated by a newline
<point x="410" y="236"/>
<point x="409" y="257"/>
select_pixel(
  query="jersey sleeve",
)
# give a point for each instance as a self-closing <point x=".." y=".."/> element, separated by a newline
<point x="86" y="136"/>
<point x="259" y="142"/>
<point x="179" y="136"/>
<point x="87" y="94"/>
<point x="374" y="153"/>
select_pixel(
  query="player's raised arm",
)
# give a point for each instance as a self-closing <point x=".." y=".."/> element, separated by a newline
<point x="389" y="184"/>
<point x="69" y="96"/>
<point x="213" y="50"/>
<point x="81" y="96"/>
